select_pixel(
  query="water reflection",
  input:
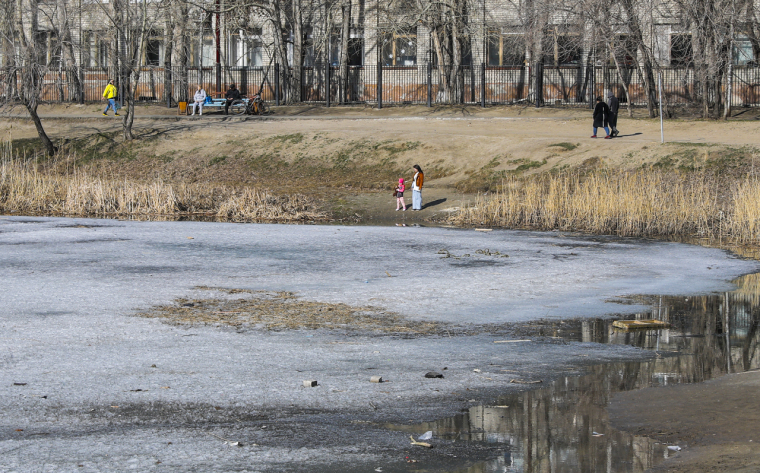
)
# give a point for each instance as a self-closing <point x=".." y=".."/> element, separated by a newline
<point x="564" y="427"/>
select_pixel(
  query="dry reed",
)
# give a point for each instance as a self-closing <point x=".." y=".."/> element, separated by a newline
<point x="626" y="203"/>
<point x="25" y="189"/>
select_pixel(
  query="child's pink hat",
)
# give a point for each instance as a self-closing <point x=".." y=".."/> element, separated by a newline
<point x="401" y="180"/>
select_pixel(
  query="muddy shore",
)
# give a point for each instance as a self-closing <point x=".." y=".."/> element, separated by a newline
<point x="714" y="422"/>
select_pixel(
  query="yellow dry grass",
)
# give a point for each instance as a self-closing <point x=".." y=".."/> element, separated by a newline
<point x="627" y="203"/>
<point x="25" y="189"/>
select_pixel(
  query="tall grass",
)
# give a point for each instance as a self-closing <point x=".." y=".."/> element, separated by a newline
<point x="627" y="203"/>
<point x="26" y="189"/>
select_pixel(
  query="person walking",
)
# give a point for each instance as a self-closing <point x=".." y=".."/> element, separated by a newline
<point x="231" y="95"/>
<point x="400" y="195"/>
<point x="199" y="99"/>
<point x="601" y="114"/>
<point x="109" y="94"/>
<point x="614" y="105"/>
<point x="417" y="181"/>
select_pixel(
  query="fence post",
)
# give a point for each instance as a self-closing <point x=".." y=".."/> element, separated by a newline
<point x="327" y="84"/>
<point x="81" y="85"/>
<point x="483" y="84"/>
<point x="219" y="78"/>
<point x="472" y="83"/>
<point x="539" y="84"/>
<point x="277" y="84"/>
<point x="168" y="84"/>
<point x="592" y="87"/>
<point x="429" y="85"/>
<point x="379" y="84"/>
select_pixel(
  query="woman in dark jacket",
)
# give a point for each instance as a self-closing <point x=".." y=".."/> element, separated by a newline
<point x="601" y="114"/>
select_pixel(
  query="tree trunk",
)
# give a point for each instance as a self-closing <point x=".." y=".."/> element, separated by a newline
<point x="345" y="34"/>
<point x="281" y="52"/>
<point x="295" y="92"/>
<point x="32" y="109"/>
<point x="6" y="33"/>
<point x="68" y="56"/>
<point x="180" y="51"/>
<point x="443" y="82"/>
<point x="645" y="66"/>
<point x="31" y="70"/>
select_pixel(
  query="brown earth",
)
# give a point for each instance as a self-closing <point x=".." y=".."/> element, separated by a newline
<point x="350" y="157"/>
<point x="715" y="422"/>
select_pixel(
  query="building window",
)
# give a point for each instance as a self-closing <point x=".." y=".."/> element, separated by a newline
<point x="355" y="48"/>
<point x="207" y="50"/>
<point x="680" y="50"/>
<point x="743" y="54"/>
<point x="103" y="53"/>
<point x="624" y="50"/>
<point x="247" y="49"/>
<point x="307" y="48"/>
<point x="506" y="49"/>
<point x="153" y="52"/>
<point x="562" y="49"/>
<point x="96" y="49"/>
<point x="49" y="48"/>
<point x="569" y="50"/>
<point x="399" y="49"/>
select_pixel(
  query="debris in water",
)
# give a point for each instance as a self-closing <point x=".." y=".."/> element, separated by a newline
<point x="640" y="324"/>
<point x="376" y="379"/>
<point x="522" y="381"/>
<point x="426" y="436"/>
<point x="674" y="448"/>
<point x="511" y="341"/>
<point x="433" y="374"/>
<point x="310" y="383"/>
<point x="227" y="441"/>
<point x="420" y="444"/>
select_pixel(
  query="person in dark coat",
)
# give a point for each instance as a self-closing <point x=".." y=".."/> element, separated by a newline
<point x="601" y="114"/>
<point x="614" y="105"/>
<point x="231" y="95"/>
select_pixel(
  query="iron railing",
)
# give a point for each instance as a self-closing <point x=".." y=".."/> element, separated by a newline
<point x="422" y="84"/>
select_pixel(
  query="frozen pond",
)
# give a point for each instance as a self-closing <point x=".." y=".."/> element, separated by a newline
<point x="85" y="382"/>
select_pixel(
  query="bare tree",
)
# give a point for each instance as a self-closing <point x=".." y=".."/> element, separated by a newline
<point x="131" y="24"/>
<point x="27" y="66"/>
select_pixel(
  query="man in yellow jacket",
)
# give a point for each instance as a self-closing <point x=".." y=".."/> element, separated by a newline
<point x="110" y="95"/>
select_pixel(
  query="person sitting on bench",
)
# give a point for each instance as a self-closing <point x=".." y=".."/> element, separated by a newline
<point x="231" y="95"/>
<point x="199" y="99"/>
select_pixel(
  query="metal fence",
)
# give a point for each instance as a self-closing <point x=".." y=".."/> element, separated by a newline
<point x="423" y="84"/>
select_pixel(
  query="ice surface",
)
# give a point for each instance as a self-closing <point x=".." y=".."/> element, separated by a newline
<point x="113" y="266"/>
<point x="70" y="288"/>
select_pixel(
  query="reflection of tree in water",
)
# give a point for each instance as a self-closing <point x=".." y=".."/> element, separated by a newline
<point x="553" y="429"/>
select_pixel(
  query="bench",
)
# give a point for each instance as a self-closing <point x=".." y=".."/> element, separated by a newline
<point x="215" y="104"/>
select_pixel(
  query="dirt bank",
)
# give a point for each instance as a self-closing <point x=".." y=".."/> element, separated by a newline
<point x="349" y="158"/>
<point x="714" y="422"/>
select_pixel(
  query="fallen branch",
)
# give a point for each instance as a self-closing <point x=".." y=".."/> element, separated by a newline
<point x="420" y="444"/>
